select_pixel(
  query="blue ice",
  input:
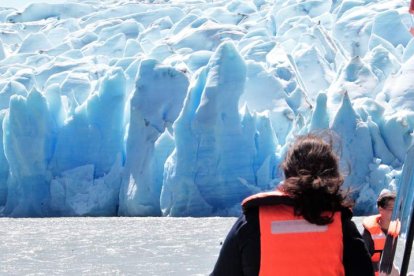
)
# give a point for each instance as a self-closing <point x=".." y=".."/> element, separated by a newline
<point x="183" y="108"/>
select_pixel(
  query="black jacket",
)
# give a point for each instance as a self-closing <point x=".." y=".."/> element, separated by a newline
<point x="240" y="254"/>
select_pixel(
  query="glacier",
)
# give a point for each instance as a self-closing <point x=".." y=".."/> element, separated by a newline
<point x="183" y="108"/>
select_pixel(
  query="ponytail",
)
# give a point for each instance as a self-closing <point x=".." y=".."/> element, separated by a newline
<point x="313" y="180"/>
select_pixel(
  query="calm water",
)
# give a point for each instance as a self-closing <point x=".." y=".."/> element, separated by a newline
<point x="111" y="246"/>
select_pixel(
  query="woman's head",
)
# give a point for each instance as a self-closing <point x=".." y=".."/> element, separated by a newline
<point x="313" y="179"/>
<point x="310" y="155"/>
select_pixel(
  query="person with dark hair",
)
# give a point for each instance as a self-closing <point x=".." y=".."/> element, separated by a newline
<point x="302" y="228"/>
<point x="376" y="226"/>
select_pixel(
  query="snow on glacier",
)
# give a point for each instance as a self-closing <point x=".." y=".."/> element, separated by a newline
<point x="183" y="108"/>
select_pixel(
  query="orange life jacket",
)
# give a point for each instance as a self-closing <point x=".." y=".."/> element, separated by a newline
<point x="289" y="245"/>
<point x="372" y="226"/>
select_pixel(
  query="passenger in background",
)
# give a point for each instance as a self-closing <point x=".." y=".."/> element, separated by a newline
<point x="376" y="226"/>
<point x="302" y="228"/>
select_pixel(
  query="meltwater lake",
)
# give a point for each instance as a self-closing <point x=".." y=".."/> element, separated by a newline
<point x="112" y="246"/>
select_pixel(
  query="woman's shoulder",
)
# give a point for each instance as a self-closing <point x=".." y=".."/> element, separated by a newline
<point x="349" y="228"/>
<point x="346" y="214"/>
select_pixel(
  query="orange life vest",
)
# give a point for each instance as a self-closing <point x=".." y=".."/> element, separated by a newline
<point x="289" y="245"/>
<point x="372" y="226"/>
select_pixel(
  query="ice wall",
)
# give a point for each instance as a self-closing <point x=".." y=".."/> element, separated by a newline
<point x="183" y="108"/>
<point x="154" y="106"/>
<point x="218" y="152"/>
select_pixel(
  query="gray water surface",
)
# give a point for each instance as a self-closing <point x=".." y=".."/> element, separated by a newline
<point x="112" y="246"/>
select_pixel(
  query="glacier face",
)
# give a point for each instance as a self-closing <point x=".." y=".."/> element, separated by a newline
<point x="183" y="108"/>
